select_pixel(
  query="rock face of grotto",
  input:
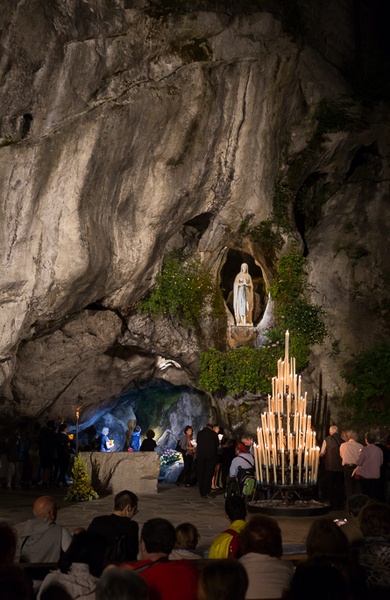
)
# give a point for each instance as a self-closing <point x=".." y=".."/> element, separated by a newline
<point x="129" y="129"/>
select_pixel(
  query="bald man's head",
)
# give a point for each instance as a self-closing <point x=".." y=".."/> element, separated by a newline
<point x="45" y="506"/>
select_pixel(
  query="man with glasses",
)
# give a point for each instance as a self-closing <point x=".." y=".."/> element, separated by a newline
<point x="119" y="531"/>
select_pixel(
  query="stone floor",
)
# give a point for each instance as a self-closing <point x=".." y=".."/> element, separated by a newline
<point x="178" y="504"/>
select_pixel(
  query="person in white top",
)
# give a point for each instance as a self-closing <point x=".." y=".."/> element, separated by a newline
<point x="261" y="547"/>
<point x="349" y="452"/>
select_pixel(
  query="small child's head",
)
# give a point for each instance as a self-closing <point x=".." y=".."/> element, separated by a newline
<point x="150" y="434"/>
<point x="187" y="536"/>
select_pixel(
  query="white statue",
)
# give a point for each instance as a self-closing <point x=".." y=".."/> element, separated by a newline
<point x="243" y="297"/>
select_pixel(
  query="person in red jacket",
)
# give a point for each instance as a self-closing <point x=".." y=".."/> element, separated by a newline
<point x="167" y="579"/>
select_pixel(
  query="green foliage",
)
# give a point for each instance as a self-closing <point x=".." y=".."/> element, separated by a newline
<point x="81" y="488"/>
<point x="293" y="311"/>
<point x="7" y="140"/>
<point x="369" y="374"/>
<point x="282" y="201"/>
<point x="335" y="115"/>
<point x="251" y="369"/>
<point x="268" y="240"/>
<point x="183" y="290"/>
<point x="239" y="370"/>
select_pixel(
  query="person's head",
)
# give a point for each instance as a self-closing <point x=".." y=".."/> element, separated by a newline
<point x="216" y="427"/>
<point x="374" y="519"/>
<point x="370" y="438"/>
<point x="224" y="579"/>
<point x="344" y="435"/>
<point x="355" y="503"/>
<point x="247" y="440"/>
<point x="325" y="538"/>
<point x="158" y="536"/>
<point x="327" y="581"/>
<point x="235" y="508"/>
<point x="126" y="504"/>
<point x="188" y="430"/>
<point x="187" y="536"/>
<point x="7" y="543"/>
<point x="333" y="429"/>
<point x="105" y="431"/>
<point x="150" y="434"/>
<point x="63" y="428"/>
<point x="241" y="448"/>
<point x="15" y="584"/>
<point x="121" y="584"/>
<point x="352" y="435"/>
<point x="45" y="507"/>
<point x="261" y="535"/>
<point x="86" y="548"/>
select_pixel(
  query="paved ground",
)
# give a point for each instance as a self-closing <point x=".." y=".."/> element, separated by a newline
<point x="178" y="504"/>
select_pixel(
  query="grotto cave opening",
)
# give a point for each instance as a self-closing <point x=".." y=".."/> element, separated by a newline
<point x="232" y="266"/>
<point x="152" y="404"/>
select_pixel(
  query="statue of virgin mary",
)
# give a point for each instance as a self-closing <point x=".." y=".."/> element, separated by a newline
<point x="243" y="297"/>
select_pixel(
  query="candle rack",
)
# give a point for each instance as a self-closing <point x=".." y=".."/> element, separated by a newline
<point x="286" y="453"/>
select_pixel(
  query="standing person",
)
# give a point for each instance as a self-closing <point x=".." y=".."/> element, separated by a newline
<point x="105" y="442"/>
<point x="334" y="471"/>
<point x="368" y="468"/>
<point x="63" y="450"/>
<point x="206" y="458"/>
<point x="349" y="453"/>
<point x="149" y="443"/>
<point x="47" y="443"/>
<point x="187" y="447"/>
<point x="15" y="457"/>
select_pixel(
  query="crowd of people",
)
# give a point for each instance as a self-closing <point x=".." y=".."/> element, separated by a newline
<point x="113" y="560"/>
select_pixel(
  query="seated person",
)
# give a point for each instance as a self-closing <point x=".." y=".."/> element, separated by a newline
<point x="42" y="539"/>
<point x="112" y="527"/>
<point x="187" y="537"/>
<point x="261" y="547"/>
<point x="79" y="567"/>
<point x="353" y="506"/>
<point x="167" y="579"/>
<point x="243" y="459"/>
<point x="226" y="545"/>
<point x="121" y="584"/>
<point x="327" y="544"/>
<point x="223" y="580"/>
<point x="7" y="543"/>
<point x="373" y="553"/>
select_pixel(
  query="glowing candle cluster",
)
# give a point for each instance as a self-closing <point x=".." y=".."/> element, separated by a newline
<point x="286" y="451"/>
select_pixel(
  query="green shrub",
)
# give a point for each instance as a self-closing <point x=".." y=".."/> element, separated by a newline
<point x="238" y="370"/>
<point x="369" y="375"/>
<point x="183" y="289"/>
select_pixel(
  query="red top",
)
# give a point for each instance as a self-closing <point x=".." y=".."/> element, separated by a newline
<point x="169" y="580"/>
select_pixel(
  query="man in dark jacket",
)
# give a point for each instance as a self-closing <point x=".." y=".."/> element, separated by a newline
<point x="334" y="472"/>
<point x="206" y="457"/>
<point x="119" y="525"/>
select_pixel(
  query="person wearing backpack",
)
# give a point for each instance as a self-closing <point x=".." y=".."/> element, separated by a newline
<point x="119" y="531"/>
<point x="226" y="544"/>
<point x="244" y="460"/>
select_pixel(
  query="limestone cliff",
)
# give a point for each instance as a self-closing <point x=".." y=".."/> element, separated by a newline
<point x="128" y="128"/>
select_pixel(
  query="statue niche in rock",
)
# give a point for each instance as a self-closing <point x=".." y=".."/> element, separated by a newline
<point x="243" y="298"/>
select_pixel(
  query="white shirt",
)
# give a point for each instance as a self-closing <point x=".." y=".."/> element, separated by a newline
<point x="349" y="452"/>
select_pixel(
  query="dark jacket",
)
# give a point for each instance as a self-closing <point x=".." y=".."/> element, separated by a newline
<point x="207" y="443"/>
<point x="332" y="455"/>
